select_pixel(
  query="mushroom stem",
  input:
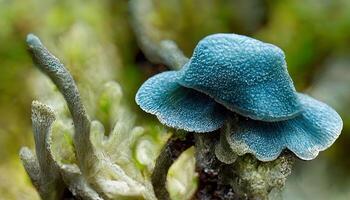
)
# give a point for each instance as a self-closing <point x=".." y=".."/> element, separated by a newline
<point x="52" y="67"/>
<point x="212" y="172"/>
<point x="156" y="49"/>
<point x="170" y="152"/>
<point x="246" y="177"/>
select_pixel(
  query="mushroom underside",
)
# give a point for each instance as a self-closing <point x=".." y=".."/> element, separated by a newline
<point x="179" y="107"/>
<point x="313" y="130"/>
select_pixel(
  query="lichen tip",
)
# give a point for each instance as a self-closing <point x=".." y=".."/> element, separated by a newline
<point x="33" y="40"/>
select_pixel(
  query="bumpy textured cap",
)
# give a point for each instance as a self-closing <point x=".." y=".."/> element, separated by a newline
<point x="245" y="75"/>
<point x="179" y="107"/>
<point x="314" y="130"/>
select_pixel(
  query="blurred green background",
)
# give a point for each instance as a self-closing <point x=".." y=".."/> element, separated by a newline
<point x="315" y="35"/>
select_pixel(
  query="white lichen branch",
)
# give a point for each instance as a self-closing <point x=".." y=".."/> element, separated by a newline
<point x="52" y="67"/>
<point x="42" y="168"/>
<point x="97" y="173"/>
<point x="157" y="49"/>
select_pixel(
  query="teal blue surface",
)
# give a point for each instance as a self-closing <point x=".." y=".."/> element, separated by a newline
<point x="245" y="75"/>
<point x="233" y="75"/>
<point x="179" y="107"/>
<point x="314" y="130"/>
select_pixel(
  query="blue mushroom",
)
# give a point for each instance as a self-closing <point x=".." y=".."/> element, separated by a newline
<point x="233" y="75"/>
<point x="179" y="107"/>
<point x="314" y="130"/>
<point x="245" y="75"/>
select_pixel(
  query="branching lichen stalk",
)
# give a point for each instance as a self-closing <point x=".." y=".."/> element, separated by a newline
<point x="42" y="169"/>
<point x="92" y="167"/>
<point x="51" y="66"/>
<point x="42" y="119"/>
<point x="157" y="49"/>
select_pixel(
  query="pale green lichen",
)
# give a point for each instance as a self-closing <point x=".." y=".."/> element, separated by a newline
<point x="90" y="163"/>
<point x="116" y="158"/>
<point x="255" y="179"/>
<point x="182" y="179"/>
<point x="227" y="145"/>
<point x="224" y="152"/>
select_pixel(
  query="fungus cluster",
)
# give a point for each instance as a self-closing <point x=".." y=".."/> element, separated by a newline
<point x="240" y="81"/>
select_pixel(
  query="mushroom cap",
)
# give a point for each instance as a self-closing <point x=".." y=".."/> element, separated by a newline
<point x="314" y="130"/>
<point x="245" y="75"/>
<point x="179" y="107"/>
